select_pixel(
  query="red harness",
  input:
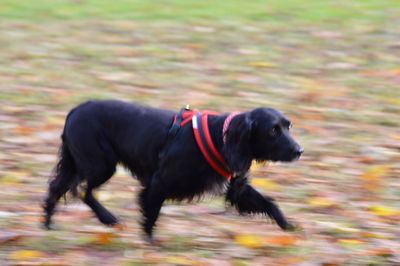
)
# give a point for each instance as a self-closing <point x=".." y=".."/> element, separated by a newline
<point x="203" y="138"/>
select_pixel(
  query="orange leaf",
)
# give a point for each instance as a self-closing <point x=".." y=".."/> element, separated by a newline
<point x="119" y="227"/>
<point x="288" y="240"/>
<point x="104" y="238"/>
<point x="23" y="130"/>
<point x="372" y="177"/>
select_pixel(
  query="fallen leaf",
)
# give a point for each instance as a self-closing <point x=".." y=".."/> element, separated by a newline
<point x="382" y="252"/>
<point x="265" y="184"/>
<point x="250" y="240"/>
<point x="350" y="241"/>
<point x="6" y="237"/>
<point x="373" y="235"/>
<point x="339" y="228"/>
<point x="23" y="255"/>
<point x="384" y="211"/>
<point x="320" y="202"/>
<point x="286" y="240"/>
<point x="23" y="130"/>
<point x="119" y="227"/>
<point x="261" y="64"/>
<point x="178" y="260"/>
<point x="14" y="177"/>
<point x="104" y="238"/>
<point x="372" y="177"/>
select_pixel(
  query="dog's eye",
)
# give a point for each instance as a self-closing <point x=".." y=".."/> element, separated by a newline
<point x="275" y="131"/>
<point x="290" y="126"/>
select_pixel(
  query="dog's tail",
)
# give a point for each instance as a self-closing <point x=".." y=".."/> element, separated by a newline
<point x="65" y="178"/>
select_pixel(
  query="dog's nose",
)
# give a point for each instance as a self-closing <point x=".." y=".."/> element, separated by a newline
<point x="297" y="153"/>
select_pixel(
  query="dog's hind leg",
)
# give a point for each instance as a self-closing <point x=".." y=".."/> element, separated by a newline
<point x="248" y="201"/>
<point x="151" y="200"/>
<point x="94" y="182"/>
<point x="64" y="180"/>
<point x="57" y="188"/>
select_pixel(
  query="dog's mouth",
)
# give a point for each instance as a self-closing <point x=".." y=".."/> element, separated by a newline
<point x="286" y="157"/>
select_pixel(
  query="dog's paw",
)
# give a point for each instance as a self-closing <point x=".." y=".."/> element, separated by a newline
<point x="119" y="226"/>
<point x="108" y="219"/>
<point x="292" y="227"/>
<point x="151" y="241"/>
<point x="289" y="227"/>
<point x="45" y="223"/>
<point x="48" y="226"/>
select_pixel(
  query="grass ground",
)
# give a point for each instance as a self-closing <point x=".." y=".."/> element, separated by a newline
<point x="334" y="69"/>
<point x="297" y="11"/>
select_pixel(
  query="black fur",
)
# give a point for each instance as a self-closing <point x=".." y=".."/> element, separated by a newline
<point x="99" y="134"/>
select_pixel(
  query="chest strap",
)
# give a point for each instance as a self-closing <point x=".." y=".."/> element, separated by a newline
<point x="204" y="141"/>
<point x="202" y="136"/>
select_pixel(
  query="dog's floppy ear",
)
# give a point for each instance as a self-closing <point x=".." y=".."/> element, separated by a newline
<point x="237" y="149"/>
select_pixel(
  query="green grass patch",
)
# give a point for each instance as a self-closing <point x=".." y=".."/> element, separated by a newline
<point x="341" y="11"/>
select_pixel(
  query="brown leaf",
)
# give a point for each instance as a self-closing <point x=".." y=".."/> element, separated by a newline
<point x="381" y="252"/>
<point x="6" y="237"/>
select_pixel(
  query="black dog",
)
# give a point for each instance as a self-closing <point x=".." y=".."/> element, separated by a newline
<point x="161" y="150"/>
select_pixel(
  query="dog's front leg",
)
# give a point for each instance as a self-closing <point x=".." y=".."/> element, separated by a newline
<point x="151" y="199"/>
<point x="248" y="201"/>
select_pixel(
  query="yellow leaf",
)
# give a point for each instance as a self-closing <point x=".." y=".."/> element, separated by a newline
<point x="175" y="260"/>
<point x="261" y="64"/>
<point x="374" y="235"/>
<point x="14" y="177"/>
<point x="375" y="172"/>
<point x="320" y="202"/>
<point x="21" y="255"/>
<point x="265" y="184"/>
<point x="250" y="241"/>
<point x="256" y="166"/>
<point x="348" y="241"/>
<point x="384" y="211"/>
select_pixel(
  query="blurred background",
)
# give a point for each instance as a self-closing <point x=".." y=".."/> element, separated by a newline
<point x="333" y="67"/>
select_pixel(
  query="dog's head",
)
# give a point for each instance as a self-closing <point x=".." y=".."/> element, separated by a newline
<point x="262" y="134"/>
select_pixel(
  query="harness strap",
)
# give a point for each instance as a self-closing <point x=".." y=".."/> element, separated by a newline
<point x="206" y="145"/>
<point x="202" y="136"/>
<point x="176" y="125"/>
<point x="227" y="122"/>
